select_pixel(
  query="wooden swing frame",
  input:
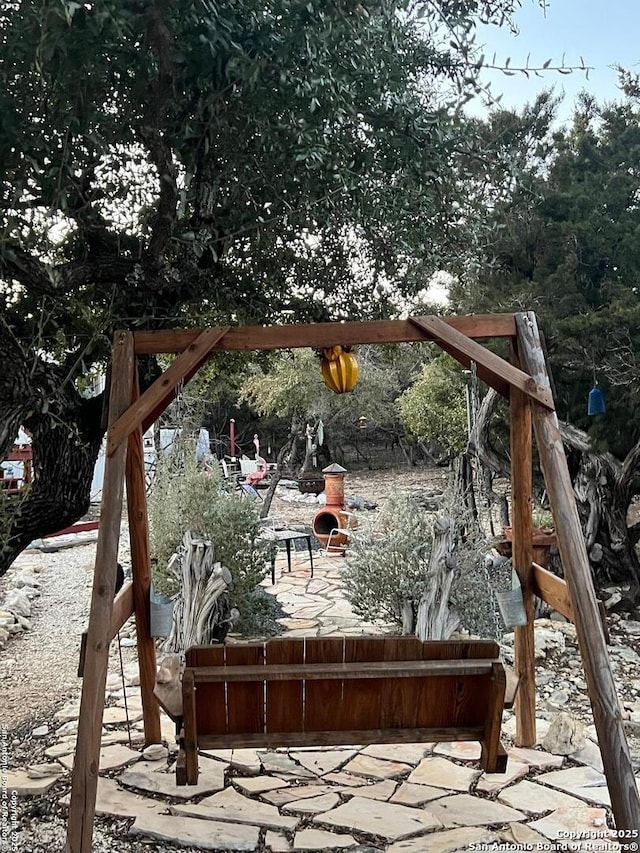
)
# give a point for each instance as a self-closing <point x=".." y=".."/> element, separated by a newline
<point x="523" y="380"/>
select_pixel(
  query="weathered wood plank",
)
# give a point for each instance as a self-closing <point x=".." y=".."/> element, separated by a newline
<point x="141" y="574"/>
<point x="339" y="671"/>
<point x="158" y="395"/>
<point x="331" y="737"/>
<point x="122" y="609"/>
<point x="243" y="338"/>
<point x="494" y="759"/>
<point x="521" y="507"/>
<point x="245" y="697"/>
<point x="553" y="590"/>
<point x="85" y="768"/>
<point x="285" y="708"/>
<point x="616" y="758"/>
<point x="190" y="741"/>
<point x="492" y="369"/>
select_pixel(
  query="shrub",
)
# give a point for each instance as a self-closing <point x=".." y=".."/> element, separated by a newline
<point x="183" y="497"/>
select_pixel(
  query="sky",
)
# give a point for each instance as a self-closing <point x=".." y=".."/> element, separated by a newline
<point x="603" y="32"/>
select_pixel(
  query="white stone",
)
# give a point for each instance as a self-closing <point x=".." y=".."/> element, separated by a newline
<point x="376" y="768"/>
<point x="40" y="731"/>
<point x="449" y="841"/>
<point x="535" y="799"/>
<point x="387" y="820"/>
<point x="566" y="735"/>
<point x="17" y="602"/>
<point x="465" y="810"/>
<point x="24" y="786"/>
<point x="210" y="778"/>
<point x="590" y="754"/>
<point x="440" y="773"/>
<point x="118" y="802"/>
<point x="155" y="752"/>
<point x="205" y="834"/>
<point x="229" y="805"/>
<point x="65" y="747"/>
<point x="318" y="839"/>
<point x="68" y="713"/>
<point x="563" y="820"/>
<point x="69" y="728"/>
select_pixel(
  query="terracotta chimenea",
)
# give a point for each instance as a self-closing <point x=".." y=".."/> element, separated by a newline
<point x="332" y="516"/>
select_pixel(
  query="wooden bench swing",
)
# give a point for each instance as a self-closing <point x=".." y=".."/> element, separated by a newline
<point x="339" y="691"/>
<point x="286" y="692"/>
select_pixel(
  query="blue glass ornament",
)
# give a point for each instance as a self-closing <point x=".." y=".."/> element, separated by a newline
<point x="596" y="404"/>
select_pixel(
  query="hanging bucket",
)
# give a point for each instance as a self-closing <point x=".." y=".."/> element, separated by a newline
<point x="596" y="405"/>
<point x="511" y="604"/>
<point x="160" y="614"/>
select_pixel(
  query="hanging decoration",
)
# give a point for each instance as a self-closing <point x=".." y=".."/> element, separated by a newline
<point x="339" y="369"/>
<point x="596" y="404"/>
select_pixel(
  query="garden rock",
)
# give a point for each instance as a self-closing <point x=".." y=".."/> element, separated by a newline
<point x="566" y="735"/>
<point x="18" y="602"/>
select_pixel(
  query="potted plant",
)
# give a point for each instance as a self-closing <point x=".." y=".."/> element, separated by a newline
<point x="543" y="536"/>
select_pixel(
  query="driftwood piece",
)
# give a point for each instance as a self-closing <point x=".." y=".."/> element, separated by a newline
<point x="434" y="619"/>
<point x="202" y="614"/>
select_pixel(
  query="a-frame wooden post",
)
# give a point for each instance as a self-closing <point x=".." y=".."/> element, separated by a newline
<point x="141" y="573"/>
<point x="521" y="505"/>
<point x="86" y="763"/>
<point x="616" y="758"/>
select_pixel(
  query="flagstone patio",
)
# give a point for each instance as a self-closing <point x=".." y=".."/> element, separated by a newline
<point x="404" y="798"/>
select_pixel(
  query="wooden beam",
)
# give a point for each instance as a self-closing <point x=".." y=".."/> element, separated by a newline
<point x="553" y="590"/>
<point x="158" y="396"/>
<point x="492" y="369"/>
<point x="318" y="335"/>
<point x="87" y="757"/>
<point x="616" y="758"/>
<point x="141" y="572"/>
<point x="122" y="608"/>
<point x="522" y="532"/>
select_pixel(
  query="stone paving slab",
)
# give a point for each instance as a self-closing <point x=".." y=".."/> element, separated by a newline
<point x="210" y="779"/>
<point x="465" y="810"/>
<point x="111" y="758"/>
<point x="536" y="799"/>
<point x="387" y="820"/>
<point x="229" y="805"/>
<point x="319" y="839"/>
<point x="312" y="805"/>
<point x="378" y="791"/>
<point x="442" y="773"/>
<point x="450" y="841"/>
<point x="298" y="792"/>
<point x="204" y="834"/>
<point x="405" y="753"/>
<point x="567" y="819"/>
<point x="323" y="762"/>
<point x="491" y="783"/>
<point x="376" y="768"/>
<point x="111" y="799"/>
<point x="410" y="794"/>
<point x="24" y="786"/>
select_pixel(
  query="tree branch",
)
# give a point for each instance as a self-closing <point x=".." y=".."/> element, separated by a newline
<point x="151" y="131"/>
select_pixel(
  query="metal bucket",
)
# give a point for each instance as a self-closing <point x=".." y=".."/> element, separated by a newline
<point x="511" y="604"/>
<point x="160" y="614"/>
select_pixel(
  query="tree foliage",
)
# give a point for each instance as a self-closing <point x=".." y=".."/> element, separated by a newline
<point x="434" y="407"/>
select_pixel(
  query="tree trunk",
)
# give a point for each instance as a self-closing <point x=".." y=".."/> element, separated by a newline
<point x="603" y="488"/>
<point x="65" y="445"/>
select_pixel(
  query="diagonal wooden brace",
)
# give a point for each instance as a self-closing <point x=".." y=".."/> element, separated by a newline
<point x="492" y="369"/>
<point x="157" y="396"/>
